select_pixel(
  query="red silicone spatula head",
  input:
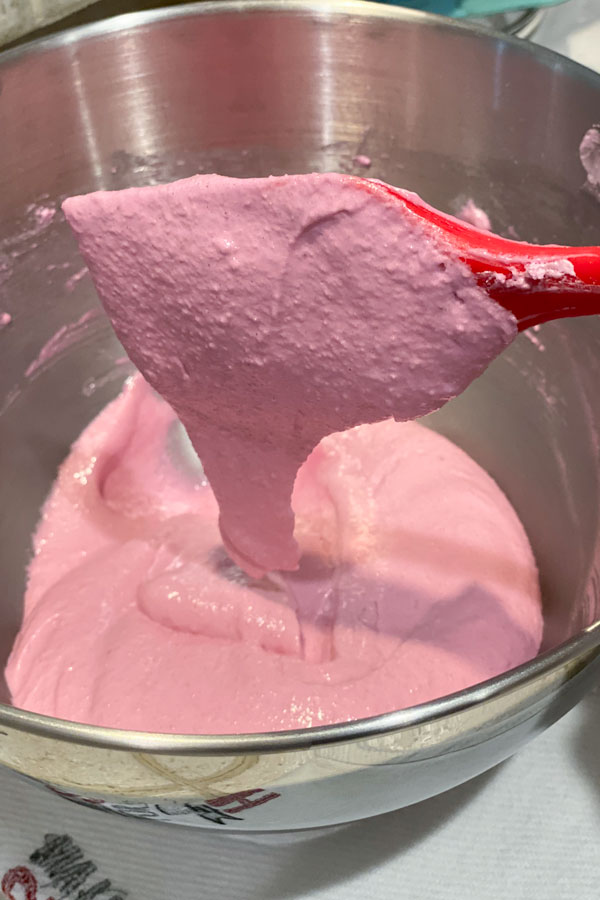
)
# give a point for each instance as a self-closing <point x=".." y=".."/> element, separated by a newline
<point x="536" y="283"/>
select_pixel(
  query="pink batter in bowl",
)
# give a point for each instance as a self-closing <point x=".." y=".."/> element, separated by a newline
<point x="150" y="100"/>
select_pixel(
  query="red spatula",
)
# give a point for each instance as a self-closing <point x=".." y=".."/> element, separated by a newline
<point x="536" y="283"/>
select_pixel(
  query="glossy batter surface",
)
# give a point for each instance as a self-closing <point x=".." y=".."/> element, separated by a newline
<point x="416" y="579"/>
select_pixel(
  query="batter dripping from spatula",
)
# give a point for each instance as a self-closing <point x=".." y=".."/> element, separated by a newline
<point x="270" y="313"/>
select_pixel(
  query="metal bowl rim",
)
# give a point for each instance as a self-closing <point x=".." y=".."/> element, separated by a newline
<point x="566" y="655"/>
<point x="332" y="9"/>
<point x="585" y="642"/>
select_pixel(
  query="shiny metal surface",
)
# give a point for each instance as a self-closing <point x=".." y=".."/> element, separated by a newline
<point x="527" y="23"/>
<point x="259" y="88"/>
<point x="521" y="23"/>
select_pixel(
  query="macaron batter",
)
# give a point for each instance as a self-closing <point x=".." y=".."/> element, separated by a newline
<point x="416" y="579"/>
<point x="327" y="561"/>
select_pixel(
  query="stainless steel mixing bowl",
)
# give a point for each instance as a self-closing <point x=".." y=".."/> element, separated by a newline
<point x="259" y="88"/>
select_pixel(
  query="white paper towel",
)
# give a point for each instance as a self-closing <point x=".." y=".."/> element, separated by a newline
<point x="573" y="29"/>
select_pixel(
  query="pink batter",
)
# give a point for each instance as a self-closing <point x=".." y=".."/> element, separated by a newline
<point x="416" y="579"/>
<point x="474" y="215"/>
<point x="272" y="312"/>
